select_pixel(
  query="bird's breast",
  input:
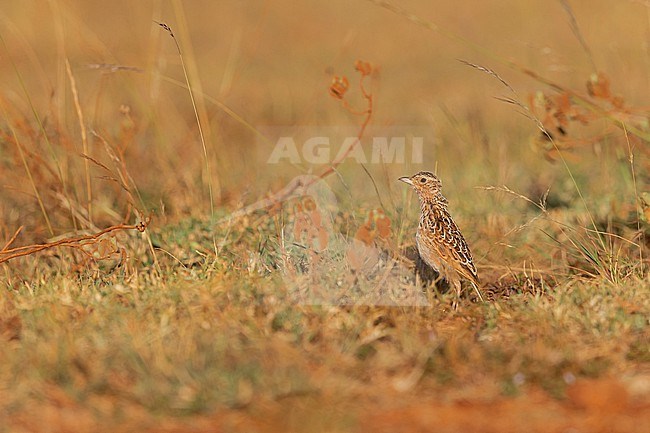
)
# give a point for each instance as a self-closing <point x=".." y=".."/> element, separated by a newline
<point x="427" y="253"/>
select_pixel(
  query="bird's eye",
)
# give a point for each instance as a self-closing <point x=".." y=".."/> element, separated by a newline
<point x="423" y="180"/>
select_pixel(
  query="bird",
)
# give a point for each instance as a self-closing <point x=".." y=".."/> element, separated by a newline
<point x="439" y="241"/>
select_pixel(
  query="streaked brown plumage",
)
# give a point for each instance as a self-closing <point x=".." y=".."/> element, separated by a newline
<point x="439" y="241"/>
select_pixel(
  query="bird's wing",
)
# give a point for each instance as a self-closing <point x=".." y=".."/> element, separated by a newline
<point x="449" y="242"/>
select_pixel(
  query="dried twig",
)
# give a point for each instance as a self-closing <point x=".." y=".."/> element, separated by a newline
<point x="73" y="242"/>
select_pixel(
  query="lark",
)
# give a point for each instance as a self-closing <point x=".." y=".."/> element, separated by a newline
<point x="439" y="241"/>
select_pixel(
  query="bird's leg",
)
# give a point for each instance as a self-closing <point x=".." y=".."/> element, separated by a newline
<point x="456" y="302"/>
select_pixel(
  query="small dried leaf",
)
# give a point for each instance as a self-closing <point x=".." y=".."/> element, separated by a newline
<point x="383" y="227"/>
<point x="339" y="87"/>
<point x="365" y="68"/>
<point x="598" y="86"/>
<point x="365" y="235"/>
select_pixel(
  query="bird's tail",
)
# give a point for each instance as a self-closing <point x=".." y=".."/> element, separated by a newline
<point x="478" y="292"/>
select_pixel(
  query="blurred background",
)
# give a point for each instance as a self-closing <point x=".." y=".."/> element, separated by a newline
<point x="258" y="66"/>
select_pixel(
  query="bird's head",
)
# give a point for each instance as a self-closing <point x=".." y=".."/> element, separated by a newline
<point x="426" y="184"/>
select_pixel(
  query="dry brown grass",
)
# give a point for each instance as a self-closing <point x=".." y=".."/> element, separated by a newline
<point x="205" y="322"/>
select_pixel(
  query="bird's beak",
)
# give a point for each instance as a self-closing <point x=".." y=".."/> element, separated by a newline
<point x="406" y="180"/>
